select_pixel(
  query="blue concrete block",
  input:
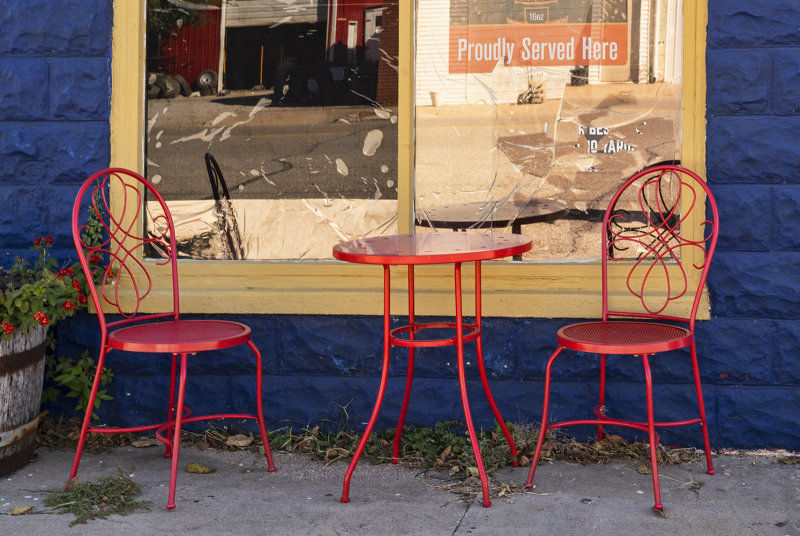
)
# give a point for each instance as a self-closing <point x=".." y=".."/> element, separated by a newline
<point x="742" y="226"/>
<point x="56" y="28"/>
<point x="754" y="150"/>
<point x="38" y="153"/>
<point x="736" y="351"/>
<point x="518" y="348"/>
<point x="786" y="81"/>
<point x="23" y="89"/>
<point x="747" y="23"/>
<point x="80" y="89"/>
<point x="757" y="417"/>
<point x="736" y="81"/>
<point x="786" y="344"/>
<point x="29" y="212"/>
<point x="755" y="286"/>
<point x="336" y="345"/>
<point x="785" y="223"/>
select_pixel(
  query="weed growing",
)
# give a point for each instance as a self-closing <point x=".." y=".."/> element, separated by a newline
<point x="111" y="495"/>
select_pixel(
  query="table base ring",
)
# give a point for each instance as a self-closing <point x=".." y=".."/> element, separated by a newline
<point x="472" y="332"/>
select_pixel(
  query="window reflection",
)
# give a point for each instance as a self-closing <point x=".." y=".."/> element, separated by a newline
<point x="549" y="102"/>
<point x="272" y="124"/>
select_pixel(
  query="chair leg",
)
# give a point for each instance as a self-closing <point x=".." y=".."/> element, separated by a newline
<point x="602" y="399"/>
<point x="651" y="432"/>
<point x="176" y="440"/>
<point x="260" y="407"/>
<point x="87" y="417"/>
<point x="171" y="404"/>
<point x="702" y="409"/>
<point x="543" y="429"/>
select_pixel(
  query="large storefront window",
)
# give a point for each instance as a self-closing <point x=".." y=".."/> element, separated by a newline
<point x="548" y="101"/>
<point x="492" y="103"/>
<point x="272" y="124"/>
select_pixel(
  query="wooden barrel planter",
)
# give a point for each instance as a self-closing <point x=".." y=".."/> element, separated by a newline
<point x="21" y="379"/>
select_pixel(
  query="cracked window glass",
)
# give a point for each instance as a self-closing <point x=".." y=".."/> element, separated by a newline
<point x="272" y="124"/>
<point x="530" y="114"/>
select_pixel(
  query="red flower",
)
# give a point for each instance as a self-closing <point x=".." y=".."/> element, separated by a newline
<point x="94" y="259"/>
<point x="68" y="306"/>
<point x="41" y="318"/>
<point x="49" y="240"/>
<point x="76" y="285"/>
<point x="65" y="271"/>
<point x="8" y="328"/>
<point x="82" y="298"/>
<point x="37" y="241"/>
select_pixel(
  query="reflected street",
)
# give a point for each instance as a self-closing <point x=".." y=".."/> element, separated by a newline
<point x="269" y="152"/>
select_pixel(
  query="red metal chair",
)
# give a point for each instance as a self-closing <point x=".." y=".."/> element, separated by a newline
<point x="122" y="285"/>
<point x="647" y="229"/>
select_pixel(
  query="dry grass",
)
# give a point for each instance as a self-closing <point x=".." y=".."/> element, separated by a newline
<point x="443" y="448"/>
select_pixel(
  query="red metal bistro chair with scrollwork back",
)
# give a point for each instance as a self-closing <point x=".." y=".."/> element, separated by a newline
<point x="658" y="240"/>
<point x="119" y="282"/>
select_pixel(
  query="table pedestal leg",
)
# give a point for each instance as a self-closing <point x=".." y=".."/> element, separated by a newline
<point x="381" y="389"/>
<point x="410" y="374"/>
<point x="462" y="384"/>
<point x="482" y="370"/>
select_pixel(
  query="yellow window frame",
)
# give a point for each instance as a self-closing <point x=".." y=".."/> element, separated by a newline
<point x="331" y="287"/>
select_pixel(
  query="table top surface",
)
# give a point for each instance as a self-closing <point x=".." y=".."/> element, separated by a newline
<point x="491" y="214"/>
<point x="432" y="248"/>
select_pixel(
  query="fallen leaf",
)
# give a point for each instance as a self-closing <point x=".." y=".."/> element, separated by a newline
<point x="239" y="440"/>
<point x="643" y="469"/>
<point x="21" y="510"/>
<point x="446" y="453"/>
<point x="199" y="469"/>
<point x="335" y="453"/>
<point x="146" y="442"/>
<point x="615" y="440"/>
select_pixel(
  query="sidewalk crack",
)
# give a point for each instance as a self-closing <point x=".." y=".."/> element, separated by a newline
<point x="461" y="520"/>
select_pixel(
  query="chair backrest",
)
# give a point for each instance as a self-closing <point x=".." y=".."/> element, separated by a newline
<point x="648" y="227"/>
<point x="111" y="246"/>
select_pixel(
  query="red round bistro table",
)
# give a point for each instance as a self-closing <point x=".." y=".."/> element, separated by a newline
<point x="432" y="248"/>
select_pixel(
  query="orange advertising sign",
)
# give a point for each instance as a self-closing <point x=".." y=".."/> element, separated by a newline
<point x="479" y="48"/>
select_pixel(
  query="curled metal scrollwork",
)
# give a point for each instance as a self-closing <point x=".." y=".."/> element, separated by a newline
<point x="645" y="225"/>
<point x="115" y="259"/>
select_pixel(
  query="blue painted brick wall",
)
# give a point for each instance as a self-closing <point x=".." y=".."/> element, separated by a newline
<point x="55" y="84"/>
<point x="54" y="105"/>
<point x="753" y="164"/>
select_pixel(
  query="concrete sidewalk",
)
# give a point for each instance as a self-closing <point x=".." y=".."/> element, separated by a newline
<point x="749" y="495"/>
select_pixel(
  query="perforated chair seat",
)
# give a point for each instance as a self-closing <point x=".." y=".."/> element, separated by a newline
<point x="623" y="337"/>
<point x="181" y="336"/>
